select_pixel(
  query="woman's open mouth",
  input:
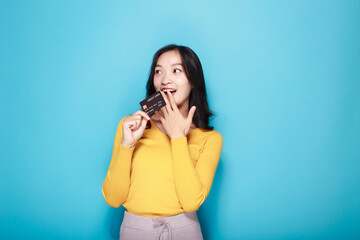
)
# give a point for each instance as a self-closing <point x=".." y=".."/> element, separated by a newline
<point x="168" y="90"/>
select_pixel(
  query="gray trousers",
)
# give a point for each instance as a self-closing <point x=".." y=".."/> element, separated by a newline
<point x="179" y="227"/>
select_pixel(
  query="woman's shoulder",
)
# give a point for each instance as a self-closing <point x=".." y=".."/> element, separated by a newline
<point x="205" y="138"/>
<point x="121" y="122"/>
<point x="122" y="119"/>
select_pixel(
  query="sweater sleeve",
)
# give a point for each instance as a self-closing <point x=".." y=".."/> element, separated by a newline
<point x="193" y="184"/>
<point x="116" y="185"/>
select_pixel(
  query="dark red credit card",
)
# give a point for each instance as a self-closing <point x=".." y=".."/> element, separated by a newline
<point x="152" y="103"/>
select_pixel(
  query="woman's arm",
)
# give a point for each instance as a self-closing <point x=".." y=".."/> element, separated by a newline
<point x="193" y="184"/>
<point x="116" y="185"/>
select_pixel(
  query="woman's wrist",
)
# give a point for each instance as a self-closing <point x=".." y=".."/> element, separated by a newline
<point x="128" y="145"/>
<point x="177" y="136"/>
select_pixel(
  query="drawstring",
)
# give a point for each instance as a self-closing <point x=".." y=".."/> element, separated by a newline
<point x="163" y="225"/>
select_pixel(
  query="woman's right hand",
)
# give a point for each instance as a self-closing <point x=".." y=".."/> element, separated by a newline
<point x="133" y="128"/>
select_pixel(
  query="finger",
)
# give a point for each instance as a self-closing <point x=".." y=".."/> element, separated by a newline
<point x="135" y="125"/>
<point x="156" y="114"/>
<point x="191" y="115"/>
<point x="143" y="123"/>
<point x="137" y="122"/>
<point x="164" y="111"/>
<point x="136" y="117"/>
<point x="172" y="101"/>
<point x="130" y="124"/>
<point x="161" y="114"/>
<point x="143" y="114"/>
<point x="162" y="120"/>
<point x="167" y="106"/>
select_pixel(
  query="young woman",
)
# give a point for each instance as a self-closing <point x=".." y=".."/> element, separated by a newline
<point x="162" y="167"/>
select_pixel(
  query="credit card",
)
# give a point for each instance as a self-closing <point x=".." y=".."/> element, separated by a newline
<point x="152" y="103"/>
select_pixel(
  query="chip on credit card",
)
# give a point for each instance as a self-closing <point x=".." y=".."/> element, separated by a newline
<point x="152" y="103"/>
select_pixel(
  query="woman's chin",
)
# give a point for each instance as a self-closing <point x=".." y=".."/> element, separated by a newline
<point x="154" y="117"/>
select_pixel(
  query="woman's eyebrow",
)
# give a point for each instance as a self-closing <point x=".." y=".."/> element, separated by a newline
<point x="175" y="64"/>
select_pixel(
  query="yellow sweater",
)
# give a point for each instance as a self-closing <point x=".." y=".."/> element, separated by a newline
<point x="160" y="176"/>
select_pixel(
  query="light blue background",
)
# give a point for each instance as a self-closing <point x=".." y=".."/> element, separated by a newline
<point x="282" y="77"/>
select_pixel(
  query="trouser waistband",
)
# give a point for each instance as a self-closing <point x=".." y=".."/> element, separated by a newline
<point x="152" y="223"/>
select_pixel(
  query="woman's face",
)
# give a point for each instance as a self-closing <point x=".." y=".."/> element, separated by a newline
<point x="170" y="74"/>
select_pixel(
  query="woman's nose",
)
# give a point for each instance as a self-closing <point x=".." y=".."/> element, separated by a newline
<point x="165" y="80"/>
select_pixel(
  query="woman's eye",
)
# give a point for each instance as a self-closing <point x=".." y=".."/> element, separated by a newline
<point x="177" y="70"/>
<point x="157" y="71"/>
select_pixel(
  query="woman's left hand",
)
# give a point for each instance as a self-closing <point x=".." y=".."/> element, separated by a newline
<point x="172" y="120"/>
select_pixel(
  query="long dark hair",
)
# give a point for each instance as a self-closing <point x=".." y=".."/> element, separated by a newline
<point x="195" y="75"/>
